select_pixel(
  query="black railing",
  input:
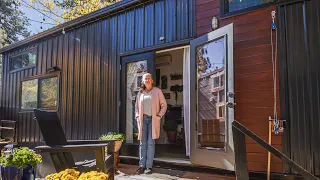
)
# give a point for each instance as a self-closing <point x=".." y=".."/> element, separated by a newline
<point x="239" y="133"/>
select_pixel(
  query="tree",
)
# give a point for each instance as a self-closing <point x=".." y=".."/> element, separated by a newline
<point x="12" y="25"/>
<point x="203" y="61"/>
<point x="70" y="9"/>
<point x="12" y="22"/>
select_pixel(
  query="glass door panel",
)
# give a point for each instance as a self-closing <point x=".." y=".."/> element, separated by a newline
<point x="134" y="73"/>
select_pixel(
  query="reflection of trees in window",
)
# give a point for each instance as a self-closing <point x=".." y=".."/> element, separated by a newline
<point x="203" y="62"/>
<point x="48" y="92"/>
<point x="29" y="94"/>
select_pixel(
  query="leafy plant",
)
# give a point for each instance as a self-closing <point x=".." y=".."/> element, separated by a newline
<point x="170" y="125"/>
<point x="21" y="157"/>
<point x="113" y="136"/>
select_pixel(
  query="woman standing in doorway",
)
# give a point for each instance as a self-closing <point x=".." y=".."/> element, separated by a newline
<point x="150" y="107"/>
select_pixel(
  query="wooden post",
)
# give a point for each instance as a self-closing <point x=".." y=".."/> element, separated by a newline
<point x="269" y="154"/>
<point x="240" y="155"/>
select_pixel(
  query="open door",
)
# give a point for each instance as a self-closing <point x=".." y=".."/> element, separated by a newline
<point x="132" y="69"/>
<point x="212" y="99"/>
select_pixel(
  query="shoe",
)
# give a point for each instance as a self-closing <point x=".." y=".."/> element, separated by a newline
<point x="140" y="170"/>
<point x="148" y="171"/>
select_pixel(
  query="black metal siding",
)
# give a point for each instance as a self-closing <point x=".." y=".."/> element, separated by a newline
<point x="88" y="57"/>
<point x="299" y="27"/>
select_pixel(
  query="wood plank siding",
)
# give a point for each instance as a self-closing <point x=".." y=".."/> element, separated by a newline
<point x="88" y="56"/>
<point x="253" y="74"/>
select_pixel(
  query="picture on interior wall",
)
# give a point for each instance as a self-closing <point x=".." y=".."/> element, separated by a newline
<point x="166" y="95"/>
<point x="164" y="82"/>
<point x="176" y="76"/>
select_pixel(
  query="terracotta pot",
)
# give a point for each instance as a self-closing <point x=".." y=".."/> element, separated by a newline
<point x="172" y="136"/>
<point x="117" y="145"/>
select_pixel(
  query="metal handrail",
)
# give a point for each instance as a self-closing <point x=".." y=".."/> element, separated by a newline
<point x="239" y="133"/>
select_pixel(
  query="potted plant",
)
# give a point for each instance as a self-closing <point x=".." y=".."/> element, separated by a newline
<point x="118" y="137"/>
<point x="171" y="128"/>
<point x="19" y="163"/>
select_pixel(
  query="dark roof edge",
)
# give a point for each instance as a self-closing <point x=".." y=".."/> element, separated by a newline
<point x="67" y="25"/>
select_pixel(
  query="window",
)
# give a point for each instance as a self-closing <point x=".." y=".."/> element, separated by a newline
<point x="29" y="96"/>
<point x="48" y="92"/>
<point x="41" y="92"/>
<point x="139" y="81"/>
<point x="216" y="82"/>
<point x="23" y="60"/>
<point x="221" y="111"/>
<point x="237" y="6"/>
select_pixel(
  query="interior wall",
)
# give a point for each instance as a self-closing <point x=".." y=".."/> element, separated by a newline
<point x="175" y="67"/>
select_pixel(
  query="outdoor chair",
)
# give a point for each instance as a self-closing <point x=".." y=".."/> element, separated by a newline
<point x="7" y="133"/>
<point x="61" y="151"/>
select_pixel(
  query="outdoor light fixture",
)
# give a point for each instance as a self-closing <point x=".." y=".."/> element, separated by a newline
<point x="214" y="23"/>
<point x="63" y="32"/>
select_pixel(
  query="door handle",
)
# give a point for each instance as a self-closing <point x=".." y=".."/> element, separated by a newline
<point x="230" y="104"/>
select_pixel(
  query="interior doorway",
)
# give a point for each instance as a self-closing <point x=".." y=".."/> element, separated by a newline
<point x="169" y="78"/>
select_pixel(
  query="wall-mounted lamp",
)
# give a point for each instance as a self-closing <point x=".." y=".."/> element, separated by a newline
<point x="214" y="23"/>
<point x="63" y="32"/>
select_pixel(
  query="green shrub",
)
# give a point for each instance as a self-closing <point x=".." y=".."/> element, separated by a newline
<point x="21" y="157"/>
<point x="113" y="136"/>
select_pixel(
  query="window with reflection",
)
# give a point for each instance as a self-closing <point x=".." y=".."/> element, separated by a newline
<point x="40" y="92"/>
<point x="211" y="95"/>
<point x="234" y="6"/>
<point x="23" y="60"/>
<point x="29" y="95"/>
<point x="48" y="92"/>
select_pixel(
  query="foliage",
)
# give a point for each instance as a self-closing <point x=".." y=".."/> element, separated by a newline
<point x="113" y="136"/>
<point x="71" y="174"/>
<point x="203" y="62"/>
<point x="13" y="22"/>
<point x="21" y="157"/>
<point x="70" y="9"/>
<point x="29" y="94"/>
<point x="170" y="125"/>
<point x="49" y="92"/>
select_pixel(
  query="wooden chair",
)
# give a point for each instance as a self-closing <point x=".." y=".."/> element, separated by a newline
<point x="61" y="150"/>
<point x="7" y="133"/>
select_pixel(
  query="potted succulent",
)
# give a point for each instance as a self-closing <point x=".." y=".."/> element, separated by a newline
<point x="19" y="163"/>
<point x="171" y="128"/>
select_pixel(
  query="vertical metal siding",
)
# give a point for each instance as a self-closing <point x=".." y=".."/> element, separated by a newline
<point x="130" y="30"/>
<point x="159" y="22"/>
<point x="88" y="59"/>
<point x="170" y="19"/>
<point x="299" y="67"/>
<point x="149" y="25"/>
<point x="139" y="27"/>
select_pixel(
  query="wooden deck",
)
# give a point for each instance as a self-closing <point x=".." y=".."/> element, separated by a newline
<point x="126" y="172"/>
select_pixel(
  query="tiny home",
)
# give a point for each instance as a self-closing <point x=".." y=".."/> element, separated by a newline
<point x="214" y="60"/>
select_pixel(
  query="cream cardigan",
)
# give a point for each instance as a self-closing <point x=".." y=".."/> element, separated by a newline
<point x="159" y="107"/>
